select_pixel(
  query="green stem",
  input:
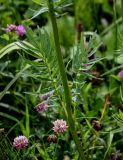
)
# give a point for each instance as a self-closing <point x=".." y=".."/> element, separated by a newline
<point x="64" y="81"/>
<point x="122" y="9"/>
<point x="116" y="29"/>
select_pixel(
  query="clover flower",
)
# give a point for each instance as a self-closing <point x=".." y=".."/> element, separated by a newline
<point x="60" y="126"/>
<point x="20" y="30"/>
<point x="41" y="107"/>
<point x="10" y="28"/>
<point x="20" y="142"/>
<point x="120" y="74"/>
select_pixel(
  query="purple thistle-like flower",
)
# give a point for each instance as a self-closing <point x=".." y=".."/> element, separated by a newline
<point x="20" y="30"/>
<point x="10" y="28"/>
<point x="120" y="74"/>
<point x="20" y="142"/>
<point x="41" y="107"/>
<point x="60" y="126"/>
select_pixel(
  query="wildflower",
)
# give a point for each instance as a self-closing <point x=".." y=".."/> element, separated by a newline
<point x="52" y="138"/>
<point x="46" y="95"/>
<point x="120" y="74"/>
<point x="60" y="126"/>
<point x="117" y="155"/>
<point x="41" y="107"/>
<point x="10" y="28"/>
<point x="20" y="30"/>
<point x="96" y="124"/>
<point x="20" y="142"/>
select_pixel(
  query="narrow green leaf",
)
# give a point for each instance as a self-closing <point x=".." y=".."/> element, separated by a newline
<point x="43" y="154"/>
<point x="8" y="116"/>
<point x="111" y="135"/>
<point x="23" y="129"/>
<point x="37" y="13"/>
<point x="9" y="48"/>
<point x="13" y="81"/>
<point x="27" y="122"/>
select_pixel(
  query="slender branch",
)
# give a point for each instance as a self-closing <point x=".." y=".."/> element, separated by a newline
<point x="64" y="81"/>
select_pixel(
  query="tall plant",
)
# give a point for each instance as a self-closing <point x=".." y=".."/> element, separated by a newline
<point x="67" y="93"/>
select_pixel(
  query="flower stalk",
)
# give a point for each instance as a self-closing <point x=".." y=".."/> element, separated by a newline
<point x="67" y="93"/>
<point x="122" y="9"/>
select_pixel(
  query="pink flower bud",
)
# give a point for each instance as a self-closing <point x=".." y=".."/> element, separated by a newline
<point x="52" y="138"/>
<point x="41" y="107"/>
<point x="10" y="28"/>
<point x="120" y="74"/>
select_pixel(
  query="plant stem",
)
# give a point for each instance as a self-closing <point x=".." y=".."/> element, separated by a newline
<point x="116" y="29"/>
<point x="104" y="109"/>
<point x="64" y="81"/>
<point x="122" y="9"/>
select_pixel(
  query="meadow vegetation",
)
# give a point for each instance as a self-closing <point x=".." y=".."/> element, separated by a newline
<point x="61" y="80"/>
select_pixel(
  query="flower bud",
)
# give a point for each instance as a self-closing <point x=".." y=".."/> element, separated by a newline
<point x="52" y="138"/>
<point x="96" y="125"/>
<point x="41" y="107"/>
<point x="120" y="74"/>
